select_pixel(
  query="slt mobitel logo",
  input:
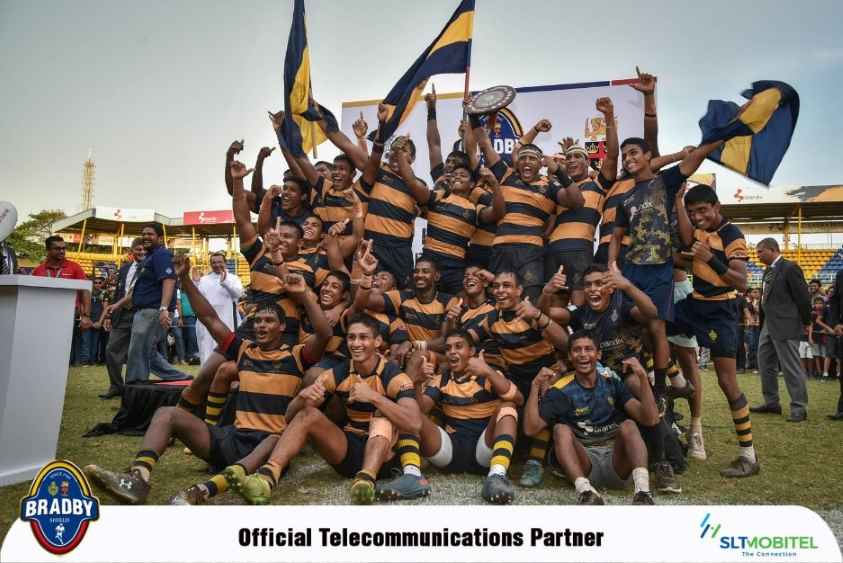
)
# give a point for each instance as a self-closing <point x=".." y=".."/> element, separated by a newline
<point x="755" y="546"/>
<point x="59" y="506"/>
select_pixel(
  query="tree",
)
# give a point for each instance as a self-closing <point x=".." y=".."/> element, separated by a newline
<point x="28" y="237"/>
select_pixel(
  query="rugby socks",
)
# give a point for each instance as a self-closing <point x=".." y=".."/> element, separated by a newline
<point x="676" y="378"/>
<point x="582" y="484"/>
<point x="743" y="426"/>
<point x="641" y="479"/>
<point x="187" y="405"/>
<point x="538" y="447"/>
<point x="501" y="454"/>
<point x="213" y="409"/>
<point x="271" y="473"/>
<point x="144" y="462"/>
<point x="409" y="452"/>
<point x="214" y="486"/>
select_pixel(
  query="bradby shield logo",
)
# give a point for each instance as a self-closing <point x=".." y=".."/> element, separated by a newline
<point x="505" y="133"/>
<point x="59" y="506"/>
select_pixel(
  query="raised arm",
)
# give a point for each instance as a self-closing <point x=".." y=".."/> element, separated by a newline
<point x="298" y="291"/>
<point x="370" y="169"/>
<point x="548" y="301"/>
<point x="240" y="204"/>
<point x="341" y="141"/>
<point x="647" y="86"/>
<point x="257" y="177"/>
<point x="405" y="170"/>
<point x="205" y="313"/>
<point x="569" y="194"/>
<point x="609" y="168"/>
<point x="470" y="145"/>
<point x="694" y="158"/>
<point x="686" y="229"/>
<point x="232" y="151"/>
<point x="434" y="142"/>
<point x="358" y="227"/>
<point x="550" y="331"/>
<point x="265" y="212"/>
<point x="659" y="162"/>
<point x="542" y="126"/>
<point x="360" y="128"/>
<point x="482" y="138"/>
<point x="492" y="213"/>
<point x="277" y="120"/>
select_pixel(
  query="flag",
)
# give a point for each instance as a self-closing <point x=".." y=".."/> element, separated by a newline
<point x="300" y="131"/>
<point x="450" y="53"/>
<point x="757" y="134"/>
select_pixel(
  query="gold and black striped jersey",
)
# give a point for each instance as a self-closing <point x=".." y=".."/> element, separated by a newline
<point x="467" y="402"/>
<point x="423" y="320"/>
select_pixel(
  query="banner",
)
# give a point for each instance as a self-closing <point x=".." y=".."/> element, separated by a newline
<point x="224" y="216"/>
<point x="429" y="533"/>
<point x="124" y="214"/>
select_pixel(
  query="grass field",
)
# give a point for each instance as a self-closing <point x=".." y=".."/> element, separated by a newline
<point x="800" y="462"/>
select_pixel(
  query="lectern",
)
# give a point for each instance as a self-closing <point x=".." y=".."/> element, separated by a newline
<point x="36" y="331"/>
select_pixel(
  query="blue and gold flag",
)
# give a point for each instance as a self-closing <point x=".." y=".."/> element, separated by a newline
<point x="757" y="134"/>
<point x="450" y="53"/>
<point x="300" y="131"/>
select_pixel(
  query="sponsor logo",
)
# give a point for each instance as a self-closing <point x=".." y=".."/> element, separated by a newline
<point x="59" y="507"/>
<point x="504" y="133"/>
<point x="755" y="545"/>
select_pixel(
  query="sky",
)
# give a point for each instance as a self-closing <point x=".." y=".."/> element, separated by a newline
<point x="159" y="89"/>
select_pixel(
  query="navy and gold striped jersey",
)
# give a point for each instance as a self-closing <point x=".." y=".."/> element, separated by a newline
<point x="391" y="328"/>
<point x="391" y="214"/>
<point x="260" y="266"/>
<point x="528" y="207"/>
<point x="594" y="414"/>
<point x="330" y="206"/>
<point x="467" y="402"/>
<point x="523" y="348"/>
<point x="423" y="320"/>
<point x="269" y="380"/>
<point x="484" y="235"/>
<point x="470" y="319"/>
<point x="387" y="379"/>
<point x="451" y="222"/>
<point x="574" y="228"/>
<point x="609" y="208"/>
<point x="726" y="243"/>
<point x="317" y="259"/>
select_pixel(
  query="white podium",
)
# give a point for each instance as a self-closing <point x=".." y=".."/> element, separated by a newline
<point x="36" y="331"/>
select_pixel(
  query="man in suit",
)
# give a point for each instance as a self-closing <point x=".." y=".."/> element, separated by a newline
<point x="836" y="298"/>
<point x="785" y="313"/>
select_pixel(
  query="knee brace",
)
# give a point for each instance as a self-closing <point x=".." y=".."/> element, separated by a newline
<point x="443" y="457"/>
<point x="507" y="411"/>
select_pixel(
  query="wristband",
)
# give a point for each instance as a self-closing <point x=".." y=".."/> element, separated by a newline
<point x="653" y="115"/>
<point x="563" y="177"/>
<point x="431" y="113"/>
<point x="719" y="267"/>
<point x="474" y="121"/>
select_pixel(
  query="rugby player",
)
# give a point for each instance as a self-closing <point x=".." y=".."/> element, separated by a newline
<point x="594" y="442"/>
<point x="269" y="372"/>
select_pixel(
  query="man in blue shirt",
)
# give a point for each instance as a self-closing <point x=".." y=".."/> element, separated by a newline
<point x="153" y="298"/>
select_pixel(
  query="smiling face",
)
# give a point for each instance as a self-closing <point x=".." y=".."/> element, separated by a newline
<point x="584" y="355"/>
<point x="597" y="292"/>
<point x="576" y="165"/>
<point x="268" y="327"/>
<point x="635" y="160"/>
<point x="507" y="291"/>
<point x="458" y="352"/>
<point x="342" y="175"/>
<point x="331" y="292"/>
<point x="57" y="251"/>
<point x="217" y="263"/>
<point x="312" y="227"/>
<point x="425" y="275"/>
<point x="289" y="241"/>
<point x="528" y="166"/>
<point x="362" y="341"/>
<point x="292" y="197"/>
<point x="383" y="281"/>
<point x="323" y="169"/>
<point x="473" y="284"/>
<point x="461" y="182"/>
<point x="704" y="215"/>
<point x="150" y="238"/>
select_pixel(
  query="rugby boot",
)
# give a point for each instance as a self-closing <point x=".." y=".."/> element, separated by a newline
<point x="696" y="446"/>
<point x="362" y="491"/>
<point x="685" y="392"/>
<point x="643" y="497"/>
<point x="192" y="496"/>
<point x="532" y="474"/>
<point x="404" y="487"/>
<point x="254" y="489"/>
<point x="234" y="475"/>
<point x="741" y="466"/>
<point x="497" y="489"/>
<point x="666" y="481"/>
<point x="590" y="497"/>
<point x="125" y="487"/>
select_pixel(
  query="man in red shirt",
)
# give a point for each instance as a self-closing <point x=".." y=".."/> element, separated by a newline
<point x="57" y="266"/>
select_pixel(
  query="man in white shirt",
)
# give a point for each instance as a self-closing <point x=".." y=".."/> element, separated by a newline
<point x="222" y="290"/>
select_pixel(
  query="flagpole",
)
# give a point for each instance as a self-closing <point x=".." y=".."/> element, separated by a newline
<point x="468" y="66"/>
<point x="313" y="138"/>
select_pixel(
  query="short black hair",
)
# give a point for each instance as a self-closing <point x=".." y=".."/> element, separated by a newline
<point x="364" y="319"/>
<point x="217" y="253"/>
<point x="157" y="227"/>
<point x="580" y="334"/>
<point x="51" y="239"/>
<point x="344" y="278"/>
<point x="461" y="155"/>
<point x="342" y="157"/>
<point x="272" y="307"/>
<point x="769" y="243"/>
<point x="303" y="185"/>
<point x="429" y="260"/>
<point x="465" y="166"/>
<point x="137" y="241"/>
<point x="815" y="280"/>
<point x="456" y="332"/>
<point x="328" y="164"/>
<point x="595" y="267"/>
<point x="637" y="141"/>
<point x="515" y="275"/>
<point x="292" y="225"/>
<point x="701" y="194"/>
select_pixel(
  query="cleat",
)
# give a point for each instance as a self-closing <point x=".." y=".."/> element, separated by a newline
<point x="661" y="404"/>
<point x="234" y="476"/>
<point x="362" y="492"/>
<point x="741" y="466"/>
<point x="532" y="475"/>
<point x="685" y="392"/>
<point x="188" y="497"/>
<point x="590" y="498"/>
<point x="666" y="481"/>
<point x="405" y="487"/>
<point x="696" y="446"/>
<point x="125" y="487"/>
<point x="643" y="497"/>
<point x="255" y="490"/>
<point x="497" y="489"/>
<point x="187" y="451"/>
